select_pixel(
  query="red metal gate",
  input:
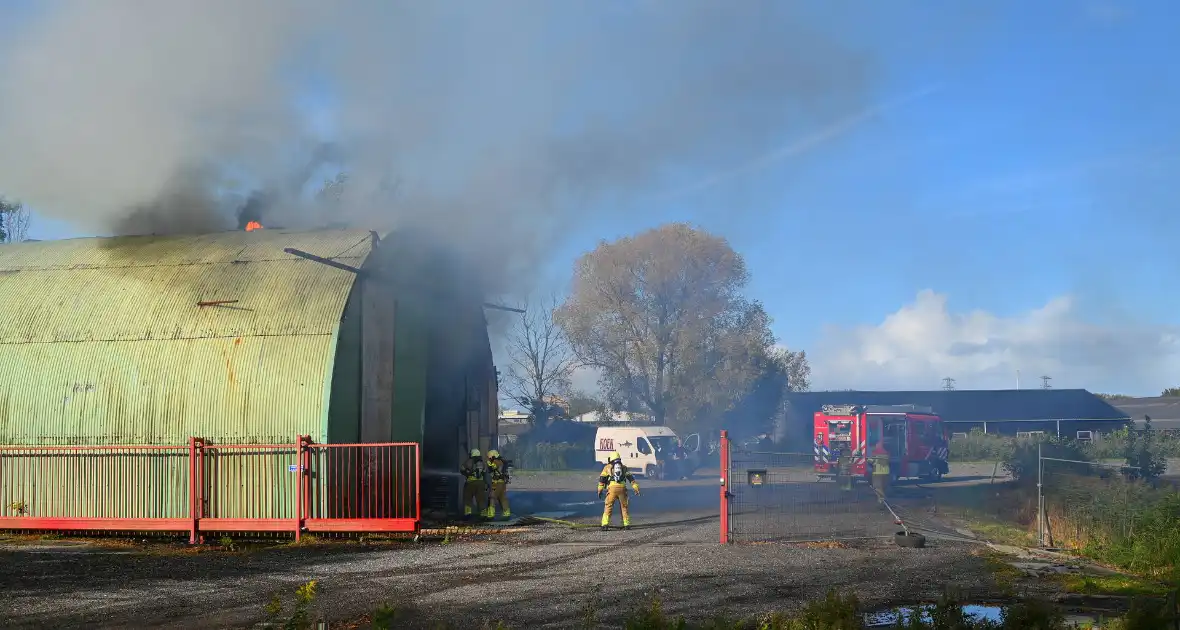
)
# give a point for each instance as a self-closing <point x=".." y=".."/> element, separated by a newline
<point x="776" y="497"/>
<point x="207" y="488"/>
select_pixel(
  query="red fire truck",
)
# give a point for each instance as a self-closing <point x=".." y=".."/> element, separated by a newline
<point x="912" y="435"/>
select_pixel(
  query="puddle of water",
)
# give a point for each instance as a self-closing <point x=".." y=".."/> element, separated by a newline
<point x="886" y="618"/>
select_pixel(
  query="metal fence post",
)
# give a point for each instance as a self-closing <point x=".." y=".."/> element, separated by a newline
<point x="724" y="453"/>
<point x="299" y="450"/>
<point x="194" y="503"/>
<point x="1040" y="498"/>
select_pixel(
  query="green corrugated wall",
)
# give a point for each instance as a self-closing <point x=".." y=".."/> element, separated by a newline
<point x="104" y="340"/>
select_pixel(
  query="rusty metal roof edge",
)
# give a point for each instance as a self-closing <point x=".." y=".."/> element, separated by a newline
<point x="181" y="338"/>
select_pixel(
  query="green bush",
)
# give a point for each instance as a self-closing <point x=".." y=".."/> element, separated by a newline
<point x="1111" y="445"/>
<point x="1144" y="451"/>
<point x="548" y="456"/>
<point x="1023" y="462"/>
<point x="979" y="446"/>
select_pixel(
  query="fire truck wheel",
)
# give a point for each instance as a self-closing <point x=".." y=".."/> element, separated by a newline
<point x="909" y="541"/>
<point x="652" y="471"/>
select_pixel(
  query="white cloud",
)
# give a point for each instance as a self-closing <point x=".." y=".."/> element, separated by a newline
<point x="923" y="342"/>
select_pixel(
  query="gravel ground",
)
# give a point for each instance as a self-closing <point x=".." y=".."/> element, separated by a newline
<point x="536" y="577"/>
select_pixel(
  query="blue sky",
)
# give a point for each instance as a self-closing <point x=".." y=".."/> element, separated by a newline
<point x="1012" y="161"/>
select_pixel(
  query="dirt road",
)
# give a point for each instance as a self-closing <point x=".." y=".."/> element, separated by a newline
<point x="549" y="576"/>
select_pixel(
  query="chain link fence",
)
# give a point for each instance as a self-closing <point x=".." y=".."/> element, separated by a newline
<point x="777" y="497"/>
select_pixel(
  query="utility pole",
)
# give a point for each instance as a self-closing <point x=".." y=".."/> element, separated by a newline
<point x="1045" y="382"/>
<point x="948" y="384"/>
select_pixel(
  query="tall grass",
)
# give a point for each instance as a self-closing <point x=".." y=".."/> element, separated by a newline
<point x="1119" y="516"/>
<point x="1125" y="523"/>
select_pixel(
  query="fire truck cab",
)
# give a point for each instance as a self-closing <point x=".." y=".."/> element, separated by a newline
<point x="913" y="436"/>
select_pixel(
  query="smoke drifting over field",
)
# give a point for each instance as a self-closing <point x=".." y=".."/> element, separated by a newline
<point x="480" y="122"/>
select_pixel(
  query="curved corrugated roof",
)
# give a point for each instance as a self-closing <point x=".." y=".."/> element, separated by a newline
<point x="103" y="340"/>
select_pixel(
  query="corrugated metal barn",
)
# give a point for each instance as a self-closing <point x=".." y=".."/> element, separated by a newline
<point x="243" y="337"/>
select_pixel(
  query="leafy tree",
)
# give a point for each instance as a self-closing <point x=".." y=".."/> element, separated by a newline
<point x="580" y="403"/>
<point x="1171" y="392"/>
<point x="1023" y="461"/>
<point x="1142" y="451"/>
<point x="540" y="362"/>
<point x="662" y="316"/>
<point x="779" y="371"/>
<point x="14" y="221"/>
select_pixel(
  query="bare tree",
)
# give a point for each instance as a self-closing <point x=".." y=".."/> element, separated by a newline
<point x="540" y="359"/>
<point x="662" y="316"/>
<point x="14" y="221"/>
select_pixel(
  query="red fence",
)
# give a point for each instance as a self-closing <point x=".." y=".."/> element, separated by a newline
<point x="769" y="496"/>
<point x="725" y="495"/>
<point x="207" y="488"/>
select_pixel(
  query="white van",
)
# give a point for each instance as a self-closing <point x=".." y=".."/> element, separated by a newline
<point x="647" y="451"/>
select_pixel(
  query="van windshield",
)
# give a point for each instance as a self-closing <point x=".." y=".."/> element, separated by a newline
<point x="663" y="444"/>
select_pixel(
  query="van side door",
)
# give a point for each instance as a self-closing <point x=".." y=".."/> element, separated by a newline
<point x="644" y="454"/>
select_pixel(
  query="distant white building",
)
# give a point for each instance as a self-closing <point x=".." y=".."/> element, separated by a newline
<point x="514" y="416"/>
<point x="621" y="417"/>
<point x="513" y="423"/>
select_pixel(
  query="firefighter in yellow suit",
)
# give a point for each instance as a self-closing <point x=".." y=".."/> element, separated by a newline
<point x="475" y="490"/>
<point x="613" y="481"/>
<point x="881" y="473"/>
<point x="498" y="471"/>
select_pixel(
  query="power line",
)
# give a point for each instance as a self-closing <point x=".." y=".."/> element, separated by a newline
<point x="948" y="384"/>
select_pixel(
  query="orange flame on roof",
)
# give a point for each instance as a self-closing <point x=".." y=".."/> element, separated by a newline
<point x="253" y="225"/>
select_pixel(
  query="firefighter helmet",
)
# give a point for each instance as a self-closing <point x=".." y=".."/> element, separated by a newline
<point x="493" y="454"/>
<point x="475" y="452"/>
<point x="614" y="457"/>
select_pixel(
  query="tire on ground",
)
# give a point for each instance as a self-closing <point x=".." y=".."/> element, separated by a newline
<point x="909" y="541"/>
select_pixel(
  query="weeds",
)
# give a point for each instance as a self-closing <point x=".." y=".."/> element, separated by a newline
<point x="653" y="618"/>
<point x="385" y="617"/>
<point x="1003" y="574"/>
<point x="300" y="617"/>
<point x="1110" y="585"/>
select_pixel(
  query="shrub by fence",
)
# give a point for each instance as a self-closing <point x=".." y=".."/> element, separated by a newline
<point x="979" y="446"/>
<point x="549" y="456"/>
<point x="1109" y="514"/>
